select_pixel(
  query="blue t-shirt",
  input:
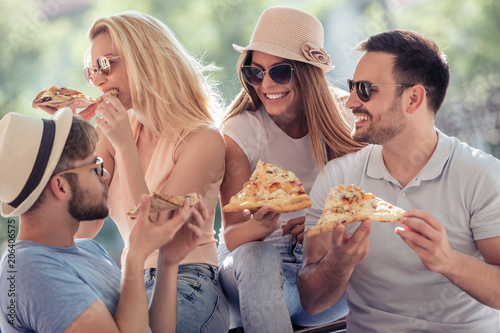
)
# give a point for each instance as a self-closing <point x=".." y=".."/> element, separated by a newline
<point x="44" y="289"/>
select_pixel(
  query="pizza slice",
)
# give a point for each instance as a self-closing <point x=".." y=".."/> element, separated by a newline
<point x="160" y="202"/>
<point x="349" y="204"/>
<point x="273" y="186"/>
<point x="60" y="97"/>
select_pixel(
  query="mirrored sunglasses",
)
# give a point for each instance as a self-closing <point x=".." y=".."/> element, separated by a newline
<point x="103" y="68"/>
<point x="98" y="167"/>
<point x="281" y="74"/>
<point x="363" y="88"/>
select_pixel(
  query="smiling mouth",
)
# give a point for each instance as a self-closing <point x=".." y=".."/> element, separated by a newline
<point x="361" y="117"/>
<point x="276" y="96"/>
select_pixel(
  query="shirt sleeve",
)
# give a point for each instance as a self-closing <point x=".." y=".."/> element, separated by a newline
<point x="243" y="131"/>
<point x="485" y="209"/>
<point x="51" y="299"/>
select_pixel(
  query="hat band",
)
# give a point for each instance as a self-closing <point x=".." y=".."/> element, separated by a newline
<point x="42" y="158"/>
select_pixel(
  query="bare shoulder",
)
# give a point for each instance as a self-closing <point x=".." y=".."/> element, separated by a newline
<point x="204" y="135"/>
<point x="205" y="144"/>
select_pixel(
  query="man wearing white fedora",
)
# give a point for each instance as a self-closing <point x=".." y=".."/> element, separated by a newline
<point x="50" y="282"/>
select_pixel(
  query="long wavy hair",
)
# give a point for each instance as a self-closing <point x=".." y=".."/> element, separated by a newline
<point x="329" y="130"/>
<point x="170" y="93"/>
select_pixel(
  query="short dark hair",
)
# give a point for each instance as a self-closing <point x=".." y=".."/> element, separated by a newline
<point x="81" y="142"/>
<point x="418" y="60"/>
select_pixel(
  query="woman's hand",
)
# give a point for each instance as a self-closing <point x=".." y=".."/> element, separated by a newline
<point x="88" y="113"/>
<point x="267" y="218"/>
<point x="114" y="122"/>
<point x="295" y="228"/>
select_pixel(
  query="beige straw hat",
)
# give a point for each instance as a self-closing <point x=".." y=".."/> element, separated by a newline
<point x="30" y="149"/>
<point x="291" y="34"/>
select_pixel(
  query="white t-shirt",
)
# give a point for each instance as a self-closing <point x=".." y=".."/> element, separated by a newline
<point x="391" y="290"/>
<point x="260" y="138"/>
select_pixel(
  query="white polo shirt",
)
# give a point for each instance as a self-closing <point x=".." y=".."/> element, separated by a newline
<point x="391" y="290"/>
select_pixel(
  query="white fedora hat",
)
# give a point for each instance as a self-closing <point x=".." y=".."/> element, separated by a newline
<point x="292" y="34"/>
<point x="30" y="149"/>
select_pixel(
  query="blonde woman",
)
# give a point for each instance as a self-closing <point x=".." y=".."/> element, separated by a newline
<point x="158" y="135"/>
<point x="286" y="114"/>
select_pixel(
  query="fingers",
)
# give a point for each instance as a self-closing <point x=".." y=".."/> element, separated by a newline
<point x="264" y="213"/>
<point x="144" y="208"/>
<point x="89" y="112"/>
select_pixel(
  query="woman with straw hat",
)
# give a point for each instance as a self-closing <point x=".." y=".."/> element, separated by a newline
<point x="286" y="114"/>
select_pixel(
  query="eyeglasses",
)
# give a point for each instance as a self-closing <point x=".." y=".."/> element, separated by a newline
<point x="281" y="74"/>
<point x="103" y="68"/>
<point x="98" y="167"/>
<point x="363" y="88"/>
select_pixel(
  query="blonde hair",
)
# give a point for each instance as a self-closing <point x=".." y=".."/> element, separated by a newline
<point x="169" y="92"/>
<point x="329" y="130"/>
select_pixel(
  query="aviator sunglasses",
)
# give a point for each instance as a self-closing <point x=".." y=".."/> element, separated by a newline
<point x="363" y="88"/>
<point x="281" y="74"/>
<point x="98" y="167"/>
<point x="103" y="68"/>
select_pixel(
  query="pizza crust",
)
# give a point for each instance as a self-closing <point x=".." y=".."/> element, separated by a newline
<point x="348" y="204"/>
<point x="161" y="202"/>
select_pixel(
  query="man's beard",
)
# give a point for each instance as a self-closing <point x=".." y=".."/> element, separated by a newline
<point x="381" y="134"/>
<point x="82" y="208"/>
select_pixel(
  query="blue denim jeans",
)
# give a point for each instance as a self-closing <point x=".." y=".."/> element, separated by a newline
<point x="260" y="283"/>
<point x="201" y="304"/>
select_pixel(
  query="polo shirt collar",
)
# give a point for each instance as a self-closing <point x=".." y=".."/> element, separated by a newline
<point x="376" y="167"/>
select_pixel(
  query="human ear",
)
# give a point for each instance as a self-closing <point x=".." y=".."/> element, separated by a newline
<point x="60" y="187"/>
<point x="417" y="98"/>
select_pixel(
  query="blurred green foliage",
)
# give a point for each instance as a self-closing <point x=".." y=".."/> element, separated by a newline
<point x="42" y="43"/>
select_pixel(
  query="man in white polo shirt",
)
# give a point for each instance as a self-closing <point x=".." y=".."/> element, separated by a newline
<point x="437" y="270"/>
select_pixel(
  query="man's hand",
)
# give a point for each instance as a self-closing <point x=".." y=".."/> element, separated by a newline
<point x="187" y="236"/>
<point x="427" y="237"/>
<point x="350" y="251"/>
<point x="146" y="236"/>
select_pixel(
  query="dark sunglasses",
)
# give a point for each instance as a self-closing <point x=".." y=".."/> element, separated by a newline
<point x="281" y="74"/>
<point x="363" y="88"/>
<point x="98" y="167"/>
<point x="103" y="68"/>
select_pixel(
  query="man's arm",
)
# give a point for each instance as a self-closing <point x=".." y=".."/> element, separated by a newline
<point x="163" y="310"/>
<point x="428" y="238"/>
<point x="329" y="260"/>
<point x="131" y="313"/>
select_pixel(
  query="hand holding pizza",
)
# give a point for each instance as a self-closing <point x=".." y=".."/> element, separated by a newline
<point x="350" y="250"/>
<point x="147" y="236"/>
<point x="114" y="123"/>
<point x="266" y="217"/>
<point x="427" y="237"/>
<point x="187" y="237"/>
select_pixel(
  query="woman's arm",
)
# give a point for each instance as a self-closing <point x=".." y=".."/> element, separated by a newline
<point x="238" y="227"/>
<point x="104" y="149"/>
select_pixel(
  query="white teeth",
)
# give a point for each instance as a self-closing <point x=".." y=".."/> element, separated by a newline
<point x="274" y="96"/>
<point x="363" y="117"/>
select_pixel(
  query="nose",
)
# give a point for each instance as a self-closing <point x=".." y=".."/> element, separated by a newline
<point x="353" y="101"/>
<point x="267" y="81"/>
<point x="98" y="79"/>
